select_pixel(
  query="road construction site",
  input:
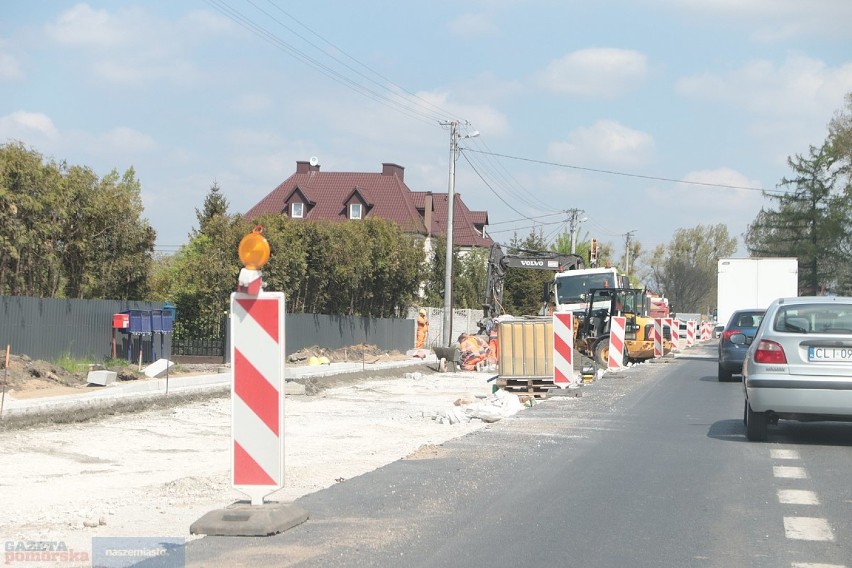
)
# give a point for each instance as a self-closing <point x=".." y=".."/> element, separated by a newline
<point x="150" y="463"/>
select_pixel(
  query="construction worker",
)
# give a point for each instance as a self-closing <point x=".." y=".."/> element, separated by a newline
<point x="493" y="348"/>
<point x="473" y="350"/>
<point x="422" y="329"/>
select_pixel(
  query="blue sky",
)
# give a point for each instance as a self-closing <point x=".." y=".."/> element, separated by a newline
<point x="234" y="92"/>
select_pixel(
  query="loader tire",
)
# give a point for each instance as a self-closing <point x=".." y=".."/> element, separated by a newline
<point x="602" y="353"/>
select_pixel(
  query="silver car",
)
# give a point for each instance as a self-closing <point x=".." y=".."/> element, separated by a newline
<point x="799" y="365"/>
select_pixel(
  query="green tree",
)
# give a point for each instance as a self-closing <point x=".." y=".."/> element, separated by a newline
<point x="66" y="233"/>
<point x="808" y="221"/>
<point x="684" y="271"/>
<point x="120" y="245"/>
<point x="469" y="286"/>
<point x="30" y="222"/>
<point x="523" y="290"/>
<point x="840" y="140"/>
<point x="204" y="272"/>
<point x="215" y="205"/>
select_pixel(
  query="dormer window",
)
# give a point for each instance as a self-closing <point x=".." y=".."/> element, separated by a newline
<point x="297" y="210"/>
<point x="354" y="210"/>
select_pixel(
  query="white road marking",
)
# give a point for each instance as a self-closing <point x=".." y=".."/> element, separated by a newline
<point x="813" y="565"/>
<point x="807" y="528"/>
<point x="784" y="454"/>
<point x="789" y="472"/>
<point x="797" y="497"/>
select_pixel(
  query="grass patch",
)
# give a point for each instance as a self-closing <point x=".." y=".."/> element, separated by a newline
<point x="73" y="365"/>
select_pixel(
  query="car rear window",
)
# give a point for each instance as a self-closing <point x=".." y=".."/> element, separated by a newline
<point x="747" y="319"/>
<point x="816" y="318"/>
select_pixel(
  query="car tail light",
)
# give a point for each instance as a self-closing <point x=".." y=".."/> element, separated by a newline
<point x="769" y="352"/>
<point x="729" y="332"/>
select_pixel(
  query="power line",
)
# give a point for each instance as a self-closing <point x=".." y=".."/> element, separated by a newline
<point x="441" y="112"/>
<point x="526" y="218"/>
<point x="627" y="174"/>
<point x="392" y="100"/>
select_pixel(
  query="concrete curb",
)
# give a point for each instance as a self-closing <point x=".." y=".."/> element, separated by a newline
<point x="105" y="396"/>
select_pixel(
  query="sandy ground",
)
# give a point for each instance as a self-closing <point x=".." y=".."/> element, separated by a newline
<point x="155" y="473"/>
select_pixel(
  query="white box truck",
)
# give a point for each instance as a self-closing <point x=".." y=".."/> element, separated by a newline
<point x="754" y="283"/>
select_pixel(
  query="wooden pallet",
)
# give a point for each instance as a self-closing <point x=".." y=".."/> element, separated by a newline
<point x="532" y="386"/>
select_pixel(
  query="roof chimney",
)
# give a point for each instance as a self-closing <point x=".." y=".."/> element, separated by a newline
<point x="427" y="213"/>
<point x="389" y="169"/>
<point x="303" y="167"/>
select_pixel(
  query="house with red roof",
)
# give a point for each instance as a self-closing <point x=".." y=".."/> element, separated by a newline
<point x="349" y="196"/>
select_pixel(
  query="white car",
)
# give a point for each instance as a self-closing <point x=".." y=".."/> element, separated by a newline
<point x="799" y="365"/>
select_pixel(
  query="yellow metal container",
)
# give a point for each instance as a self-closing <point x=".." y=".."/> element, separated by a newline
<point x="526" y="348"/>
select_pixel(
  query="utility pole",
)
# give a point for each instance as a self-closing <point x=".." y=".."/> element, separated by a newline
<point x="446" y="336"/>
<point x="573" y="221"/>
<point x="628" y="236"/>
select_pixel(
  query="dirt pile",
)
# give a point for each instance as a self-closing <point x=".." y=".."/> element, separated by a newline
<point x="24" y="372"/>
<point x="27" y="375"/>
<point x="353" y="353"/>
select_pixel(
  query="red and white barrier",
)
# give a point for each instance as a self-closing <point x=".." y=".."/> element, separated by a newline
<point x="658" y="337"/>
<point x="671" y="325"/>
<point x="616" y="342"/>
<point x="675" y="330"/>
<point x="563" y="350"/>
<point x="690" y="333"/>
<point x="257" y="393"/>
<point x="706" y="331"/>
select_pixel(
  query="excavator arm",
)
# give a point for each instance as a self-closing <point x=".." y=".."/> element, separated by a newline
<point x="499" y="263"/>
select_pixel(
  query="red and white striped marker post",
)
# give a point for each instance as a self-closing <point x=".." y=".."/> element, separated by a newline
<point x="706" y="330"/>
<point x="257" y="406"/>
<point x="257" y="393"/>
<point x="257" y="388"/>
<point x="616" y="342"/>
<point x="676" y="334"/>
<point x="670" y="323"/>
<point x="658" y="337"/>
<point x="690" y="333"/>
<point x="563" y="350"/>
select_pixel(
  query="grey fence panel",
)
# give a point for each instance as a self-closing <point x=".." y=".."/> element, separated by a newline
<point x="335" y="332"/>
<point x="49" y="328"/>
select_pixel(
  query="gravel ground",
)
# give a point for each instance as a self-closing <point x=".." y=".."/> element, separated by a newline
<point x="154" y="472"/>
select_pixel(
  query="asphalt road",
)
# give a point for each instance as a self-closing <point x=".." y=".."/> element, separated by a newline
<point x="647" y="469"/>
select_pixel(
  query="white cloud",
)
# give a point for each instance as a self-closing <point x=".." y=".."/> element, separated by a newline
<point x="251" y="103"/>
<point x="468" y="26"/>
<point x="605" y="72"/>
<point x="127" y="141"/>
<point x="800" y="85"/>
<point x="734" y="206"/>
<point x="773" y="20"/>
<point x="133" y="46"/>
<point x="23" y="125"/>
<point x="10" y="69"/>
<point x="86" y="27"/>
<point x="605" y="142"/>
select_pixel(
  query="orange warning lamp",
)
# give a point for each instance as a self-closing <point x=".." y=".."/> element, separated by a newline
<point x="254" y="249"/>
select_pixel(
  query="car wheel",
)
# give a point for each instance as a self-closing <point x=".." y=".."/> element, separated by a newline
<point x="724" y="374"/>
<point x="756" y="424"/>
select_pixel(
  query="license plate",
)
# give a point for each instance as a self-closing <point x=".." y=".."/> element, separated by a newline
<point x="842" y="354"/>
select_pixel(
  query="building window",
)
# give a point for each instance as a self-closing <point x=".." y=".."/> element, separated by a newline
<point x="355" y="211"/>
<point x="297" y="210"/>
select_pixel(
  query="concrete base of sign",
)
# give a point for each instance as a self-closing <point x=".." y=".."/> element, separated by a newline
<point x="102" y="378"/>
<point x="573" y="391"/>
<point x="158" y="368"/>
<point x="244" y="519"/>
